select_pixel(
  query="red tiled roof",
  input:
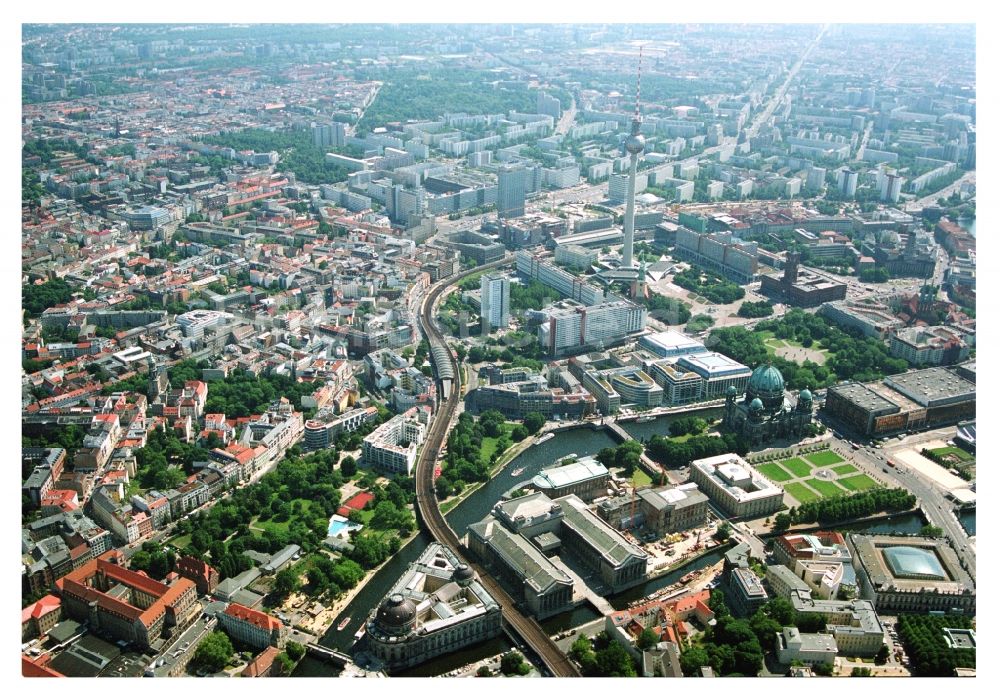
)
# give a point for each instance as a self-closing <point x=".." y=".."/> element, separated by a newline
<point x="260" y="664"/>
<point x="36" y="668"/>
<point x="45" y="605"/>
<point x="256" y="618"/>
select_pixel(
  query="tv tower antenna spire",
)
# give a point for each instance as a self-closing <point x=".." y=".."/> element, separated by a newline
<point x="638" y="89"/>
<point x="634" y="145"/>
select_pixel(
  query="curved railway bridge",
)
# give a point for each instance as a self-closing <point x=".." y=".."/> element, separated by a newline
<point x="446" y="368"/>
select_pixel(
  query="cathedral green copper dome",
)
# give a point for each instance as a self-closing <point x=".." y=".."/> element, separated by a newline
<point x="805" y="395"/>
<point x="766" y="380"/>
<point x="756" y="404"/>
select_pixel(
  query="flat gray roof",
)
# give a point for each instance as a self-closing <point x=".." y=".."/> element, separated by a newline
<point x="864" y="397"/>
<point x="933" y="386"/>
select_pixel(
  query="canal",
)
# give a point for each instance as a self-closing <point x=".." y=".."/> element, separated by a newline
<point x="582" y="441"/>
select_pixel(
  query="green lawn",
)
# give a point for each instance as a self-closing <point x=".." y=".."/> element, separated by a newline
<point x="774" y="472"/>
<point x="305" y="503"/>
<point x="800" y="492"/>
<point x="824" y="458"/>
<point x="181" y="541"/>
<point x="962" y="455"/>
<point x="846" y="469"/>
<point x="827" y="489"/>
<point x="860" y="482"/>
<point x="486" y="451"/>
<point x="797" y="466"/>
<point x="641" y="478"/>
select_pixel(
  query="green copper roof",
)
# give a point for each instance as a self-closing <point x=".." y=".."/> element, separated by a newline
<point x="766" y="379"/>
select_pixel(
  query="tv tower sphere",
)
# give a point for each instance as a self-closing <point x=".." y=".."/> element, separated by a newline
<point x="635" y="144"/>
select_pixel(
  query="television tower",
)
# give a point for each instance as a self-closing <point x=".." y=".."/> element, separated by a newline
<point x="634" y="146"/>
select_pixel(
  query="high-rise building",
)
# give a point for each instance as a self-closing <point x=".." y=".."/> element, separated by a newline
<point x="578" y="328"/>
<point x="511" y="191"/>
<point x="847" y="182"/>
<point x="495" y="301"/>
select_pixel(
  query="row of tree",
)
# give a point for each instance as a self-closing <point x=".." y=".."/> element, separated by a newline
<point x="676" y="453"/>
<point x="849" y="507"/>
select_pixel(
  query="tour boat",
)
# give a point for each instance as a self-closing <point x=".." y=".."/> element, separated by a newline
<point x="645" y="419"/>
<point x="518" y="472"/>
<point x="343" y="624"/>
<point x="544" y="438"/>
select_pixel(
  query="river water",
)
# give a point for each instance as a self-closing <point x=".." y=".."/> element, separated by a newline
<point x="582" y="441"/>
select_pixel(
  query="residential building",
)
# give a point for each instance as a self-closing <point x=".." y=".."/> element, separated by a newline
<point x="494" y="301"/>
<point x="392" y="447"/>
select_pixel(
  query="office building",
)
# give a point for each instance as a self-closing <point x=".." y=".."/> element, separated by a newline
<point x="575" y="328"/>
<point x="437" y="606"/>
<point x="735" y="487"/>
<point x="869" y="316"/>
<point x="195" y="322"/>
<point x="251" y="628"/>
<point x="744" y="587"/>
<point x="929" y="345"/>
<point x="511" y="191"/>
<point x="494" y="301"/>
<point x="800" y="287"/>
<point x="535" y="267"/>
<point x="808" y="648"/>
<point x="127" y="604"/>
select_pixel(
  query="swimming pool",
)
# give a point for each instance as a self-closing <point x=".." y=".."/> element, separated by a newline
<point x="340" y="526"/>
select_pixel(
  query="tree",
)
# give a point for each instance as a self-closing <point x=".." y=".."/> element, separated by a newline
<point x="214" y="652"/>
<point x="519" y="433"/>
<point x="615" y="661"/>
<point x="484" y="672"/>
<point x="285" y="582"/>
<point x="295" y="649"/>
<point x="882" y="656"/>
<point x="284" y="664"/>
<point x="823" y="669"/>
<point x="723" y="532"/>
<point x="647" y="639"/>
<point x="512" y="664"/>
<point x="931" y="531"/>
<point x="534" y="422"/>
<point x="861" y="671"/>
<point x="782" y="521"/>
<point x="349" y="467"/>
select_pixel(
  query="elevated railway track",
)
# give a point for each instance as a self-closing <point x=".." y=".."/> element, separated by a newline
<point x="446" y="367"/>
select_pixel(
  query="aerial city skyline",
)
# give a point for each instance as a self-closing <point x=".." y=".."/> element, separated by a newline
<point x="498" y="350"/>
